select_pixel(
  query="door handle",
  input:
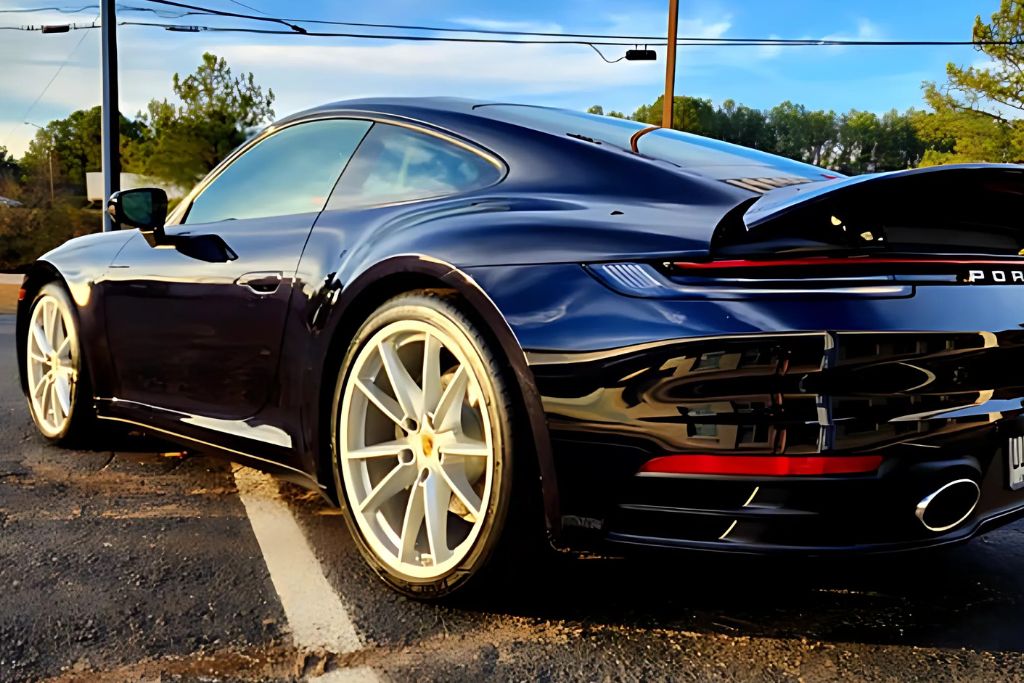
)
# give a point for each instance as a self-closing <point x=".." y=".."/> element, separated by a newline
<point x="262" y="283"/>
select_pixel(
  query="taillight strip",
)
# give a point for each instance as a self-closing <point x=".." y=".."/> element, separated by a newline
<point x="832" y="261"/>
<point x="762" y="465"/>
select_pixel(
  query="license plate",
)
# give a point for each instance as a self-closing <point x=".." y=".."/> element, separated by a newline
<point x="1015" y="456"/>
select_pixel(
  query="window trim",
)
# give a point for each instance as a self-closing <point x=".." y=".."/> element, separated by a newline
<point x="181" y="211"/>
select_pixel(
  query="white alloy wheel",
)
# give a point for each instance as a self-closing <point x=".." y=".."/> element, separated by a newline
<point x="416" y="447"/>
<point x="52" y="364"/>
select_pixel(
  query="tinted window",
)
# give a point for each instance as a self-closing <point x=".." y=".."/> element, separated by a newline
<point x="290" y="172"/>
<point x="396" y="164"/>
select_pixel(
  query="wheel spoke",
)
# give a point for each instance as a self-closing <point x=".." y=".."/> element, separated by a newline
<point x="411" y="524"/>
<point x="35" y="355"/>
<point x="387" y="405"/>
<point x="431" y="381"/>
<point x="42" y="343"/>
<point x="55" y="404"/>
<point x="463" y="491"/>
<point x="64" y="350"/>
<point x="405" y="388"/>
<point x="377" y="450"/>
<point x="397" y="479"/>
<point x="51" y="322"/>
<point x="62" y="390"/>
<point x="436" y="498"/>
<point x="449" y="409"/>
<point x="44" y="399"/>
<point x="467" y="447"/>
<point x="38" y="389"/>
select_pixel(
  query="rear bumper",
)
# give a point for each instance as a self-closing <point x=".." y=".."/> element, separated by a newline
<point x="936" y="407"/>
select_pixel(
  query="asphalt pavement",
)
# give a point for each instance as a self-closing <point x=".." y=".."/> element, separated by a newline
<point x="141" y="562"/>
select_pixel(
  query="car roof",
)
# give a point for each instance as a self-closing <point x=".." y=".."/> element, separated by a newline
<point x="745" y="167"/>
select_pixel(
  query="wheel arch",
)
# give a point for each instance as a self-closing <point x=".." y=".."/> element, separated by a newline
<point x="395" y="276"/>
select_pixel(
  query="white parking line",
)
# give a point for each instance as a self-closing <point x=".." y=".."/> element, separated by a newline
<point x="315" y="613"/>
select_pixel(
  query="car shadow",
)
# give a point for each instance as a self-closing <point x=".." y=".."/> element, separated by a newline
<point x="963" y="597"/>
<point x="967" y="596"/>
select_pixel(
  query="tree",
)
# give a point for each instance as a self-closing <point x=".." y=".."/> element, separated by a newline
<point x="855" y="142"/>
<point x="745" y="126"/>
<point x="74" y="143"/>
<point x="802" y="134"/>
<point x="977" y="104"/>
<point x="690" y="114"/>
<point x="860" y="136"/>
<point x="217" y="112"/>
<point x="10" y="173"/>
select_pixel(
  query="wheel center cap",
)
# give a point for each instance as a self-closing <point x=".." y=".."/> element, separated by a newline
<point x="427" y="442"/>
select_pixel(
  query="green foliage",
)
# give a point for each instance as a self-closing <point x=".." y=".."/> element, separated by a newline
<point x="975" y="110"/>
<point x="856" y="142"/>
<point x="26" y="234"/>
<point x="74" y="143"/>
<point x="10" y="175"/>
<point x="217" y="112"/>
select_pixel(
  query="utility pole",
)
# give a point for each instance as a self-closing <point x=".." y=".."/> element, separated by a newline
<point x="111" y="112"/>
<point x="670" y="64"/>
<point x="49" y="156"/>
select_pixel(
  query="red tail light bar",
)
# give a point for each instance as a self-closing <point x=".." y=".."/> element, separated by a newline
<point x="827" y="261"/>
<point x="763" y="465"/>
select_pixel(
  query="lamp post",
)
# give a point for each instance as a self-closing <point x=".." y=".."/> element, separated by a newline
<point x="670" y="64"/>
<point x="111" y="133"/>
<point x="49" y="156"/>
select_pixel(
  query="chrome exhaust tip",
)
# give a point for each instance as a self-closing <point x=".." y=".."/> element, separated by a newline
<point x="948" y="506"/>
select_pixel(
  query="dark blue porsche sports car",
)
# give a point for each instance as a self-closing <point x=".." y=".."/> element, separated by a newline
<point x="471" y="324"/>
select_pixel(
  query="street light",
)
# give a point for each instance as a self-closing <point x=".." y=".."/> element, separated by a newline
<point x="49" y="155"/>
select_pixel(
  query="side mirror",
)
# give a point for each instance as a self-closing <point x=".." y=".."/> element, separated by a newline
<point x="144" y="208"/>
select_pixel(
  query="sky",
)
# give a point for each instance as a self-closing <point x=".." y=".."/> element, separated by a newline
<point x="304" y="72"/>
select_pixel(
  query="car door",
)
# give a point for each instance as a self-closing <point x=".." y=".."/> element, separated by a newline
<point x="195" y="320"/>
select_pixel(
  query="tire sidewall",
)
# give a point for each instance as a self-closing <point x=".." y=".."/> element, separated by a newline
<point x="435" y="310"/>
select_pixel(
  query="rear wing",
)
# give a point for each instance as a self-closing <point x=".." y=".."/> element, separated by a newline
<point x="974" y="208"/>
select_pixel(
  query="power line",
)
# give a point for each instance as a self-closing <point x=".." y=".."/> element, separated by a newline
<point x="62" y="10"/>
<point x="687" y="42"/>
<point x="372" y="36"/>
<point x="194" y="10"/>
<point x="47" y="86"/>
<point x="242" y="4"/>
<point x="224" y="13"/>
<point x="634" y="39"/>
<point x="601" y="55"/>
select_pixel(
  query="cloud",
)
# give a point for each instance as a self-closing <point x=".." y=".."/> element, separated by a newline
<point x="500" y="25"/>
<point x="866" y="30"/>
<point x="318" y="72"/>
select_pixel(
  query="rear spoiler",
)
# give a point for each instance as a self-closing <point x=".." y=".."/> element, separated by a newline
<point x="913" y="186"/>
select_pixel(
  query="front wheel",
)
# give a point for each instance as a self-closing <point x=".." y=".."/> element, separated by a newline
<point x="422" y="443"/>
<point x="58" y="394"/>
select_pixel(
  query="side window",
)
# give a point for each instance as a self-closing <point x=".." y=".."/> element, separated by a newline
<point x="395" y="164"/>
<point x="290" y="172"/>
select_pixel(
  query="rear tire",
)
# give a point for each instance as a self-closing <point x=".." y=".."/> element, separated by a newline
<point x="422" y="435"/>
<point x="59" y="397"/>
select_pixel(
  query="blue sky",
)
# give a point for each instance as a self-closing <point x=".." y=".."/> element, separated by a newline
<point x="304" y="72"/>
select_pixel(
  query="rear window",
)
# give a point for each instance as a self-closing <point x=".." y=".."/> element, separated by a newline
<point x="395" y="164"/>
